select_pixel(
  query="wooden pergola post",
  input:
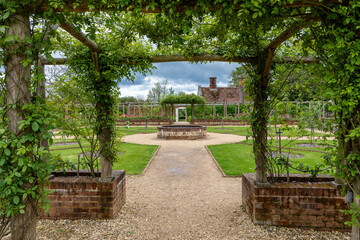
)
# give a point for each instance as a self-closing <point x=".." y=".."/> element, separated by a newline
<point x="41" y="92"/>
<point x="23" y="226"/>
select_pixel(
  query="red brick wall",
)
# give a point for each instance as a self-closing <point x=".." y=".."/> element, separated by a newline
<point x="85" y="198"/>
<point x="176" y="132"/>
<point x="300" y="203"/>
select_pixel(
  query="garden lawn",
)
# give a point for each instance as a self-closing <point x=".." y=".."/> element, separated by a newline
<point x="135" y="130"/>
<point x="246" y="131"/>
<point x="241" y="131"/>
<point x="320" y="144"/>
<point x="236" y="159"/>
<point x="134" y="158"/>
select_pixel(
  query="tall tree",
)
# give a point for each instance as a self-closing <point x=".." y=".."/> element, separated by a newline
<point x="158" y="92"/>
<point x="237" y="74"/>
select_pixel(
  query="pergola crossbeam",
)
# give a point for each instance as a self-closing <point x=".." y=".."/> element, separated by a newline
<point x="205" y="58"/>
<point x="68" y="27"/>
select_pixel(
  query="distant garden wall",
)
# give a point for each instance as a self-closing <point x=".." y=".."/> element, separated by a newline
<point x="299" y="203"/>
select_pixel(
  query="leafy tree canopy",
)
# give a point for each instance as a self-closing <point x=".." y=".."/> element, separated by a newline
<point x="184" y="99"/>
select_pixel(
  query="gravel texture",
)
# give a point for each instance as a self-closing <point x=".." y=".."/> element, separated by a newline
<point x="182" y="195"/>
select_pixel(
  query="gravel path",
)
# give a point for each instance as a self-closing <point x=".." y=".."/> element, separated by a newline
<point x="182" y="195"/>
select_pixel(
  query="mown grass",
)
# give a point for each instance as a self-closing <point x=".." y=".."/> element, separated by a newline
<point x="236" y="159"/>
<point x="320" y="145"/>
<point x="135" y="130"/>
<point x="246" y="131"/>
<point x="133" y="159"/>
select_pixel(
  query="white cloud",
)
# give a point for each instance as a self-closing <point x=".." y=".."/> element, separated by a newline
<point x="179" y="85"/>
<point x="134" y="90"/>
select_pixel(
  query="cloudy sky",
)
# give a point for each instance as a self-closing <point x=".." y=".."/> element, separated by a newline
<point x="181" y="76"/>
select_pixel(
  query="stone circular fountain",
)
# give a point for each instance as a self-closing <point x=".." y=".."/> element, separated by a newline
<point x="182" y="132"/>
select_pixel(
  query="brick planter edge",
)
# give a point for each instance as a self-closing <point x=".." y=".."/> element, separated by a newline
<point x="83" y="197"/>
<point x="300" y="203"/>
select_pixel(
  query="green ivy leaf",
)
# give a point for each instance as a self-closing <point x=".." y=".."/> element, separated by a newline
<point x="35" y="126"/>
<point x="6" y="15"/>
<point x="7" y="152"/>
<point x="16" y="200"/>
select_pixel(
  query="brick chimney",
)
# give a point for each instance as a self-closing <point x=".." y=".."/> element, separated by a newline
<point x="213" y="82"/>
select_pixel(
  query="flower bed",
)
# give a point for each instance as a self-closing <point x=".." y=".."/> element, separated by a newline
<point x="303" y="202"/>
<point x="215" y="122"/>
<point x="142" y="122"/>
<point x="85" y="197"/>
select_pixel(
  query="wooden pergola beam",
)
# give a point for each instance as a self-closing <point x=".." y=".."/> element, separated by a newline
<point x="68" y="27"/>
<point x="205" y="57"/>
<point x="171" y="58"/>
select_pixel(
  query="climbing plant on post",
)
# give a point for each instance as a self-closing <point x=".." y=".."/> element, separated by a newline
<point x="336" y="40"/>
<point x="18" y="94"/>
<point x="99" y="69"/>
<point x="261" y="76"/>
<point x="103" y="100"/>
<point x="26" y="122"/>
<point x="262" y="32"/>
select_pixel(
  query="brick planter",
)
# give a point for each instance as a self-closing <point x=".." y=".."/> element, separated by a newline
<point x="142" y="122"/>
<point x="84" y="197"/>
<point x="300" y="203"/>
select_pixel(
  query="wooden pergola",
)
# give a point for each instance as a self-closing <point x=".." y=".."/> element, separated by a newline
<point x="18" y="75"/>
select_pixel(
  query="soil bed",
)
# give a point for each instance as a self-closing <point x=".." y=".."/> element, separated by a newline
<point x="309" y="145"/>
<point x="64" y="144"/>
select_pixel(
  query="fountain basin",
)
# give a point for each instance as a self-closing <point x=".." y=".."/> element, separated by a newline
<point x="182" y="132"/>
